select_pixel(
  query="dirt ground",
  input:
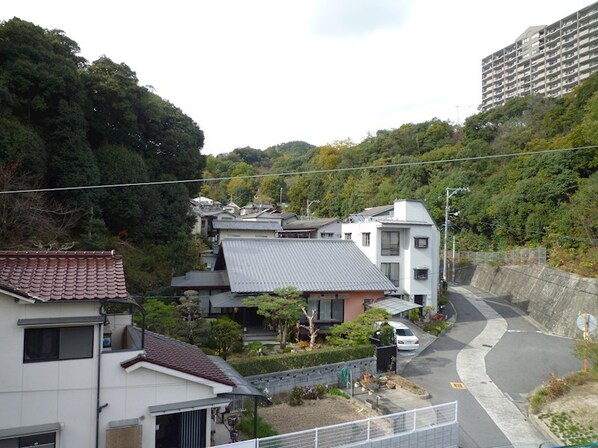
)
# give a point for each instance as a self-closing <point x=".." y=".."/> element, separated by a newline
<point x="314" y="414"/>
<point x="581" y="403"/>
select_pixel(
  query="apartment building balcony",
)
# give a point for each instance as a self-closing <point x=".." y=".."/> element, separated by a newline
<point x="552" y="32"/>
<point x="554" y="70"/>
<point x="584" y="76"/>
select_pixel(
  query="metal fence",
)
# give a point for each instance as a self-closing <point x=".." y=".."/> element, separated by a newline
<point x="360" y="431"/>
<point x="535" y="255"/>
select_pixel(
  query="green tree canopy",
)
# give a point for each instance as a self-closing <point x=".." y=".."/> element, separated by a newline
<point x="282" y="309"/>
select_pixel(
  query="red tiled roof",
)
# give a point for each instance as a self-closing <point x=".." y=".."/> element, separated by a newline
<point x="53" y="276"/>
<point x="179" y="356"/>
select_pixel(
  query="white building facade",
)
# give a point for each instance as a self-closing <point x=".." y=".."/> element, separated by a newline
<point x="73" y="377"/>
<point x="405" y="245"/>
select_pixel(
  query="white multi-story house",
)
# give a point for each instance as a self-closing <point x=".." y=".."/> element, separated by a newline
<point x="404" y="243"/>
<point x="73" y="376"/>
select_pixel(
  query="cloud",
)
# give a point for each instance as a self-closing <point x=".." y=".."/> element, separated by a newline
<point x="357" y="18"/>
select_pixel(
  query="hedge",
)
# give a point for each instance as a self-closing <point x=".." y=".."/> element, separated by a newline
<point x="299" y="360"/>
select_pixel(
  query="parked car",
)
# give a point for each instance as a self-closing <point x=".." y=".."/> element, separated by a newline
<point x="403" y="336"/>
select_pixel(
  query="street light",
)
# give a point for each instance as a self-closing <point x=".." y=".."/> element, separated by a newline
<point x="449" y="193"/>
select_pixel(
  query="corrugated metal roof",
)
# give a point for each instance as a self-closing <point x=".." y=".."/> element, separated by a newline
<point x="374" y="211"/>
<point x="201" y="279"/>
<point x="263" y="265"/>
<point x="394" y="305"/>
<point x="245" y="225"/>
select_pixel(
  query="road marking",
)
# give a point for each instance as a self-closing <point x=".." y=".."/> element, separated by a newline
<point x="471" y="368"/>
<point x="458" y="386"/>
<point x="523" y="331"/>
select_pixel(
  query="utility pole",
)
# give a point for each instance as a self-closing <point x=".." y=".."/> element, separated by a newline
<point x="309" y="203"/>
<point x="450" y="192"/>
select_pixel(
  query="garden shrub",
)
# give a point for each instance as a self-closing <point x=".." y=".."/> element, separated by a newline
<point x="555" y="386"/>
<point x="300" y="360"/>
<point x="296" y="396"/>
<point x="300" y="393"/>
<point x="264" y="429"/>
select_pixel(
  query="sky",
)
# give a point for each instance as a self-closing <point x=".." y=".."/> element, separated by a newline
<point x="263" y="72"/>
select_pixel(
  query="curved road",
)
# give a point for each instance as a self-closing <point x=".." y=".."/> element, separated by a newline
<point x="489" y="361"/>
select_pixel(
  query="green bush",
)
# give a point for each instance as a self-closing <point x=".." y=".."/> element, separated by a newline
<point x="338" y="393"/>
<point x="264" y="429"/>
<point x="537" y="400"/>
<point x="300" y="360"/>
<point x="296" y="397"/>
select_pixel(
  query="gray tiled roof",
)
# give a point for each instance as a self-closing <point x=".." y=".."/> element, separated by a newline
<point x="263" y="265"/>
<point x="222" y="224"/>
<point x="306" y="224"/>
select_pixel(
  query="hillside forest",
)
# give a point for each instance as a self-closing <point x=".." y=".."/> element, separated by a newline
<point x="68" y="125"/>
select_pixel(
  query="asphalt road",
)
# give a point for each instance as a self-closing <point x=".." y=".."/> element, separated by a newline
<point x="517" y="363"/>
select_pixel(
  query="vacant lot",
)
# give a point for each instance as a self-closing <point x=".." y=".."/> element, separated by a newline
<point x="314" y="414"/>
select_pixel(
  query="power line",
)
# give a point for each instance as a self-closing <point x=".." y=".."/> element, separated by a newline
<point x="299" y="173"/>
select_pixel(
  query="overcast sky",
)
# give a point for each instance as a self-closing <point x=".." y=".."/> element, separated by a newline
<point x="262" y="72"/>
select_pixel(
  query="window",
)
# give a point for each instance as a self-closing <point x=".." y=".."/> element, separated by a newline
<point x="45" y="439"/>
<point x="390" y="243"/>
<point x="53" y="344"/>
<point x="328" y="309"/>
<point x="420" y="274"/>
<point x="365" y="239"/>
<point x="421" y="243"/>
<point x="347" y="236"/>
<point x="391" y="271"/>
<point x="326" y="235"/>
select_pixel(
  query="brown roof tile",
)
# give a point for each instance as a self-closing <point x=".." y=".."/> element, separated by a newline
<point x="53" y="276"/>
<point x="179" y="356"/>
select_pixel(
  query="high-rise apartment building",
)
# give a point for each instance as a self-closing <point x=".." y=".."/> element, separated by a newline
<point x="545" y="60"/>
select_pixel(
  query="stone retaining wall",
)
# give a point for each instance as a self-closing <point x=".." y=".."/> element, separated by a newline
<point x="328" y="375"/>
<point x="551" y="297"/>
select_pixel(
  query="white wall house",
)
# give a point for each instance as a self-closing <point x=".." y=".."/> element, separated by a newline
<point x="71" y="377"/>
<point x="404" y="243"/>
<point x="245" y="229"/>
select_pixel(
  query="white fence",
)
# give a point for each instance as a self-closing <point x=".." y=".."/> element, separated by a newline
<point x="361" y="431"/>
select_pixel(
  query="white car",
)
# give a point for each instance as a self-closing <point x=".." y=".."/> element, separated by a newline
<point x="404" y="337"/>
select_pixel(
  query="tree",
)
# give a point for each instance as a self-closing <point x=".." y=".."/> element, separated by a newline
<point x="225" y="333"/>
<point x="122" y="207"/>
<point x="159" y="316"/>
<point x="28" y="216"/>
<point x="190" y="318"/>
<point x="310" y="327"/>
<point x="359" y="330"/>
<point x="587" y="349"/>
<point x="282" y="309"/>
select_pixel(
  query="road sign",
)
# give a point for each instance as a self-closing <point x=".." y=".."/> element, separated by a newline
<point x="582" y="319"/>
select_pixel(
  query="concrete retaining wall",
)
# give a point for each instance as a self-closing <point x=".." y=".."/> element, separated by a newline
<point x="551" y="297"/>
<point x="328" y="375"/>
